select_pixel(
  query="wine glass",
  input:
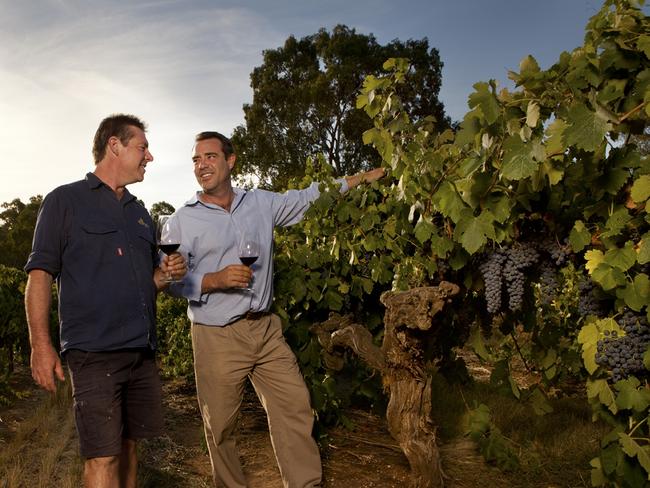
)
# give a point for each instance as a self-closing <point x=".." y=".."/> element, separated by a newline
<point x="249" y="251"/>
<point x="169" y="238"/>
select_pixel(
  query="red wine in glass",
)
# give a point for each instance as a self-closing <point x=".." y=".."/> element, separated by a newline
<point x="169" y="238"/>
<point x="168" y="248"/>
<point x="249" y="251"/>
<point x="247" y="260"/>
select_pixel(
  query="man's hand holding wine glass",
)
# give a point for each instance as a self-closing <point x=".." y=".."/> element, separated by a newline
<point x="172" y="265"/>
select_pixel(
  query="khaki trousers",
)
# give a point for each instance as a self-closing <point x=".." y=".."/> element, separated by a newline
<point x="223" y="358"/>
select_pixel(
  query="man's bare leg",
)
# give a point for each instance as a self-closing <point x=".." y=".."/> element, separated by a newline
<point x="128" y="464"/>
<point x="102" y="472"/>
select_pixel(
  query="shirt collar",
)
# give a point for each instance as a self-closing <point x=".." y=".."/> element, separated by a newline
<point x="94" y="183"/>
<point x="195" y="200"/>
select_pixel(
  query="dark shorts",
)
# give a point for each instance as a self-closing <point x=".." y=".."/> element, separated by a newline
<point x="117" y="395"/>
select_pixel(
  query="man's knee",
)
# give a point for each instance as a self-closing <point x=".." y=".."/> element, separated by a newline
<point x="102" y="464"/>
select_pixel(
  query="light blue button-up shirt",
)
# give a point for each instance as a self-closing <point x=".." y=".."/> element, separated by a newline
<point x="210" y="239"/>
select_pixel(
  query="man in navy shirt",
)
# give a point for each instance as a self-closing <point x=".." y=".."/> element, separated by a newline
<point x="98" y="243"/>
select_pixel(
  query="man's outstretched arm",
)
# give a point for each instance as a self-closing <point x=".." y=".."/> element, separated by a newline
<point x="365" y="177"/>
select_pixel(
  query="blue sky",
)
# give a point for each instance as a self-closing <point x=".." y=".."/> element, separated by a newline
<point x="184" y="66"/>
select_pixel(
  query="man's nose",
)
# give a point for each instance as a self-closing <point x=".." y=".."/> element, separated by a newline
<point x="148" y="156"/>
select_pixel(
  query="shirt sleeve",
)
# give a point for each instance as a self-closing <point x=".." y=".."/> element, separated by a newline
<point x="189" y="287"/>
<point x="289" y="208"/>
<point x="49" y="235"/>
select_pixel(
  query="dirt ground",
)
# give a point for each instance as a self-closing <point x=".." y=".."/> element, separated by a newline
<point x="364" y="457"/>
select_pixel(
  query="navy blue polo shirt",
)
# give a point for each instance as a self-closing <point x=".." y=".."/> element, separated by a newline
<point x="102" y="254"/>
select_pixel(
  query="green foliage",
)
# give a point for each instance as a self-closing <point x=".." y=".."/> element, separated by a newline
<point x="174" y="337"/>
<point x="161" y="208"/>
<point x="494" y="446"/>
<point x="304" y="102"/>
<point x="18" y="220"/>
<point x="550" y="159"/>
<point x="14" y="337"/>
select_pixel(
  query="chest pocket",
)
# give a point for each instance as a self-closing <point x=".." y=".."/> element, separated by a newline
<point x="100" y="236"/>
<point x="99" y="228"/>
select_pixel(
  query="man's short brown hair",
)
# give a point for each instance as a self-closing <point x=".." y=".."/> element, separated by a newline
<point x="118" y="125"/>
<point x="226" y="144"/>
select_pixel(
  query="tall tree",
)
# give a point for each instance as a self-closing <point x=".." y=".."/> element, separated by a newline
<point x="304" y="102"/>
<point x="161" y="208"/>
<point x="18" y="220"/>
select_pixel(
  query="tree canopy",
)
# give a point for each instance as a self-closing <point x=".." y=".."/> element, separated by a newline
<point x="17" y="221"/>
<point x="304" y="103"/>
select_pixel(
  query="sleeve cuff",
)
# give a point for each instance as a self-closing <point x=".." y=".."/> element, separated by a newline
<point x="344" y="185"/>
<point x="192" y="288"/>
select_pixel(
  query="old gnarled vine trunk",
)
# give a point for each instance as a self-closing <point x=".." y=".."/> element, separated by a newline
<point x="408" y="326"/>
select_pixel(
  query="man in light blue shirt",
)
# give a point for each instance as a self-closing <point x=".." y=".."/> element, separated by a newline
<point x="234" y="337"/>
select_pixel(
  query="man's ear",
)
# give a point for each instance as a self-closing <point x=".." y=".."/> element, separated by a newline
<point x="231" y="161"/>
<point x="113" y="145"/>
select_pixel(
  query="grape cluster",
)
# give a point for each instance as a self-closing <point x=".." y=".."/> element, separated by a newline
<point x="491" y="270"/>
<point x="623" y="355"/>
<point x="558" y="253"/>
<point x="587" y="303"/>
<point x="548" y="284"/>
<point x="520" y="258"/>
<point x="507" y="267"/>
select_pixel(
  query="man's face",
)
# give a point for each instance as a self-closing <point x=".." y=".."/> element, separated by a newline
<point x="134" y="156"/>
<point x="211" y="167"/>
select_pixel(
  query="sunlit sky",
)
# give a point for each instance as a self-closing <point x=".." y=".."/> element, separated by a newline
<point x="184" y="66"/>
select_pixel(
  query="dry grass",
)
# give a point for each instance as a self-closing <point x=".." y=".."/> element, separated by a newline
<point x="554" y="450"/>
<point x="38" y="452"/>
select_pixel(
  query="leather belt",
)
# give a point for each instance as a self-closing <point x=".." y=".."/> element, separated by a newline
<point x="255" y="315"/>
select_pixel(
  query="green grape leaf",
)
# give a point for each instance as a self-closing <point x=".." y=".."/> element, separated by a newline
<point x="643" y="251"/>
<point x="423" y="230"/>
<point x="477" y="343"/>
<point x="473" y="232"/>
<point x="500" y="205"/>
<point x="593" y="258"/>
<point x="643" y="44"/>
<point x="637" y="292"/>
<point x="555" y="138"/>
<point x="485" y="99"/>
<point x="469" y="128"/>
<point x="518" y="161"/>
<point x="448" y="201"/>
<point x="588" y="337"/>
<point x="540" y="403"/>
<point x="622" y="258"/>
<point x="608" y="277"/>
<point x="640" y="191"/>
<point x="579" y="237"/>
<point x="532" y="114"/>
<point x="633" y="449"/>
<point x="611" y="457"/>
<point x="441" y="245"/>
<point x="586" y="129"/>
<point x="514" y="387"/>
<point x="614" y="179"/>
<point x="617" y="222"/>
<point x="600" y="389"/>
<point x="630" y="396"/>
<point x="597" y="475"/>
<point x="553" y="174"/>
